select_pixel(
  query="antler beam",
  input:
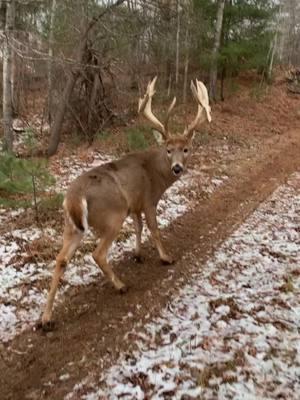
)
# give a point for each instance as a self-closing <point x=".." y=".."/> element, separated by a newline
<point x="145" y="107"/>
<point x="204" y="112"/>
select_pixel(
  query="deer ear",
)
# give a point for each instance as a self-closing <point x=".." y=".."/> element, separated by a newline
<point x="158" y="137"/>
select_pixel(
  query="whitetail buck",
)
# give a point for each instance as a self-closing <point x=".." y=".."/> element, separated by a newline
<point x="103" y="197"/>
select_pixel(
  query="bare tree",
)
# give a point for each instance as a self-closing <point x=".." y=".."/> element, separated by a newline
<point x="50" y="62"/>
<point x="55" y="131"/>
<point x="186" y="64"/>
<point x="273" y="50"/>
<point x="7" y="74"/>
<point x="165" y="12"/>
<point x="214" y="58"/>
<point x="177" y="43"/>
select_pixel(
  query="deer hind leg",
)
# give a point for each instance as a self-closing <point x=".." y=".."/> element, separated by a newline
<point x="71" y="240"/>
<point x="150" y="215"/>
<point x="138" y="226"/>
<point x="100" y="255"/>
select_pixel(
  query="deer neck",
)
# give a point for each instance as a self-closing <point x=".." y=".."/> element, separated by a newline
<point x="161" y="167"/>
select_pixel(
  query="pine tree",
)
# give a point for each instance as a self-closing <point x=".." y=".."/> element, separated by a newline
<point x="23" y="181"/>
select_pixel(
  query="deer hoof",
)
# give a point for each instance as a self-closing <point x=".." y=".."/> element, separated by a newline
<point x="139" y="259"/>
<point x="167" y="260"/>
<point x="48" y="326"/>
<point x="123" y="289"/>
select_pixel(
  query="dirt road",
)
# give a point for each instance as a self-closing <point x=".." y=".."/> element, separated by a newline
<point x="93" y="320"/>
<point x="232" y="331"/>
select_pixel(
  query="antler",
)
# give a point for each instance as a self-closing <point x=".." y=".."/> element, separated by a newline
<point x="201" y="96"/>
<point x="169" y="112"/>
<point x="145" y="107"/>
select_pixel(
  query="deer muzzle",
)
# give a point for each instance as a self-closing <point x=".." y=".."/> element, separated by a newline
<point x="177" y="169"/>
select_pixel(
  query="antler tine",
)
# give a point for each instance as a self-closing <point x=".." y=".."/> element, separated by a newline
<point x="169" y="112"/>
<point x="201" y="96"/>
<point x="204" y="99"/>
<point x="145" y="107"/>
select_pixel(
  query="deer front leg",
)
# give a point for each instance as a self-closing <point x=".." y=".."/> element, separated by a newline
<point x="150" y="214"/>
<point x="138" y="226"/>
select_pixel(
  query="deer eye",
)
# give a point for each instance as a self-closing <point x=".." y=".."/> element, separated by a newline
<point x="185" y="150"/>
<point x="168" y="151"/>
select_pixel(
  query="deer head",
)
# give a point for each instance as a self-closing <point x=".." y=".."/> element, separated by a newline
<point x="177" y="147"/>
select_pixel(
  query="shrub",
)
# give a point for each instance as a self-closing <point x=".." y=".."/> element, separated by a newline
<point x="23" y="181"/>
<point x="137" y="139"/>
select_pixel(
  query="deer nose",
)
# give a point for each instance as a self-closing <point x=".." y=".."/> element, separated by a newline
<point x="177" y="169"/>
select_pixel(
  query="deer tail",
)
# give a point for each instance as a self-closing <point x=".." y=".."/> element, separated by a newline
<point x="76" y="212"/>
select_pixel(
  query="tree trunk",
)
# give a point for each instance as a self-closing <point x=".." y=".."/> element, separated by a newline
<point x="214" y="58"/>
<point x="274" y="45"/>
<point x="14" y="83"/>
<point x="166" y="7"/>
<point x="2" y="15"/>
<point x="93" y="98"/>
<point x="177" y="44"/>
<point x="59" y="115"/>
<point x="223" y="75"/>
<point x="272" y="55"/>
<point x="186" y="64"/>
<point x="50" y="61"/>
<point x="55" y="131"/>
<point x="13" y="72"/>
<point x="7" y="74"/>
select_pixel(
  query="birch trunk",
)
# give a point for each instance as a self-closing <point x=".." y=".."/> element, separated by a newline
<point x="214" y="62"/>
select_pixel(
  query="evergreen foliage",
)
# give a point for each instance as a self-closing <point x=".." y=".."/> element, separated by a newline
<point x="246" y="35"/>
<point x="137" y="139"/>
<point x="22" y="181"/>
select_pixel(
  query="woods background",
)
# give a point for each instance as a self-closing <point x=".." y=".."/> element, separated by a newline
<point x="77" y="67"/>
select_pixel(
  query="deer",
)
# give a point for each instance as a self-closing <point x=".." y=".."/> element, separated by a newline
<point x="103" y="197"/>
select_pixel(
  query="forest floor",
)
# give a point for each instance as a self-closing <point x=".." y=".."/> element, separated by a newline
<point x="220" y="323"/>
